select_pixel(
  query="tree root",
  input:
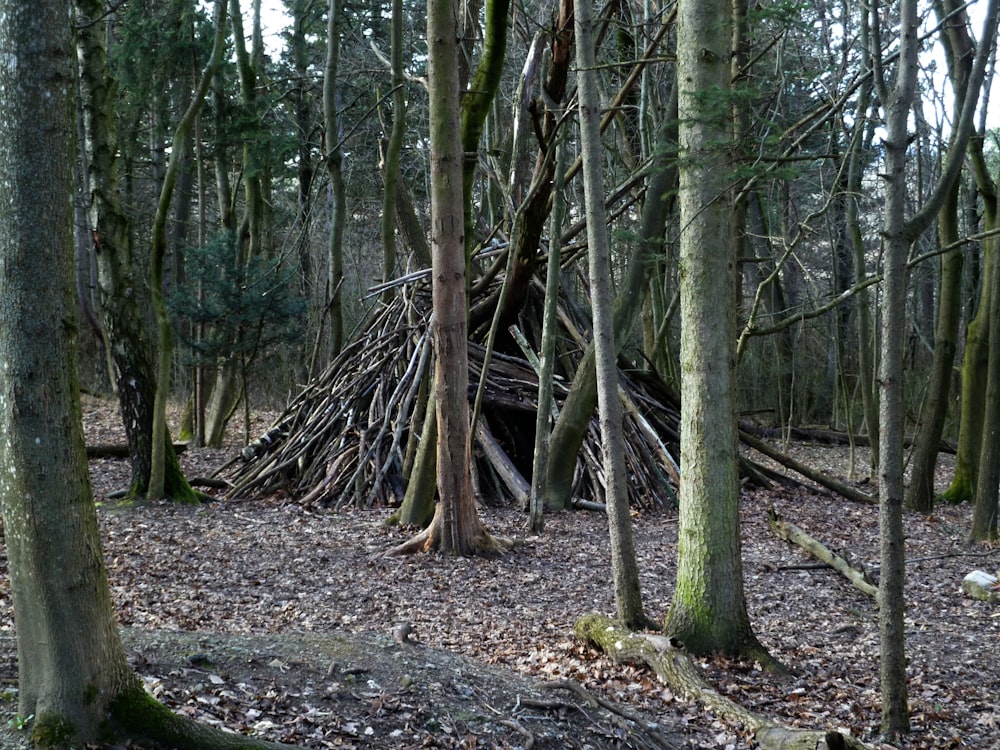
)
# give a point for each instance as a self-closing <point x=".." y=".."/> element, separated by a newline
<point x="640" y="732"/>
<point x="674" y="667"/>
<point x="137" y="715"/>
<point x="478" y="544"/>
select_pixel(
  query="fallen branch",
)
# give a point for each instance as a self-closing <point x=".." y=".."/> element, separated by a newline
<point x="674" y="667"/>
<point x="120" y="450"/>
<point x="792" y="533"/>
<point x="816" y="476"/>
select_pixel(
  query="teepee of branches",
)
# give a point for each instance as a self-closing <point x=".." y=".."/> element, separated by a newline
<point x="348" y="438"/>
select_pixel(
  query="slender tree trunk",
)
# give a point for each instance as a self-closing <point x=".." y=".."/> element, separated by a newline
<point x="984" y="516"/>
<point x="455" y="528"/>
<point x="334" y="159"/>
<point x="624" y="569"/>
<point x="920" y="495"/>
<point x="394" y="147"/>
<point x="157" y="476"/>
<point x="547" y="355"/>
<point x="898" y="234"/>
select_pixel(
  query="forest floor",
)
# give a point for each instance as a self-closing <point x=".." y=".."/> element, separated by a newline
<point x="271" y="618"/>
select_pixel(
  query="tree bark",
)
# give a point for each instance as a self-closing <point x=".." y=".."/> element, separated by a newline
<point x="455" y="528"/>
<point x="74" y="677"/>
<point x="158" y="251"/>
<point x="708" y="612"/>
<point x="624" y="569"/>
<point x="896" y="244"/>
<point x="122" y="295"/>
<point x="334" y="161"/>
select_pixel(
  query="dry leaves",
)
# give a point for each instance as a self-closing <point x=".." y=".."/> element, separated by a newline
<point x="247" y="569"/>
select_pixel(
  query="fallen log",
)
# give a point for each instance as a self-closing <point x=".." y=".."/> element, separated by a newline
<point x="120" y="450"/>
<point x="792" y="533"/>
<point x="816" y="476"/>
<point x="674" y="667"/>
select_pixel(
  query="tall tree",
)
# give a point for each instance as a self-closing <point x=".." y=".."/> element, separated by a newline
<point x="708" y="612"/>
<point x="898" y="233"/>
<point x="334" y="163"/>
<point x="624" y="568"/>
<point x="123" y="296"/>
<point x="157" y="476"/>
<point x="455" y="528"/>
<point x="74" y="676"/>
<point x="959" y="54"/>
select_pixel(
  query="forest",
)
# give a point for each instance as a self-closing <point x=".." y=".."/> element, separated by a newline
<point x="499" y="374"/>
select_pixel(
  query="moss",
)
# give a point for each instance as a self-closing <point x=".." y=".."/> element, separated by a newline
<point x="90" y="694"/>
<point x="52" y="730"/>
<point x="960" y="490"/>
<point x="137" y="715"/>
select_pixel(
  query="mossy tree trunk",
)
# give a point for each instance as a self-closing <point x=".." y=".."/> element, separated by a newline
<point x="977" y="335"/>
<point x="122" y="295"/>
<point x="984" y="516"/>
<point x="708" y="612"/>
<point x="74" y="678"/>
<point x="157" y="476"/>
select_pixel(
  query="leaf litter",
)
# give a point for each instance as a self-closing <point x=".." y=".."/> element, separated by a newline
<point x="274" y="619"/>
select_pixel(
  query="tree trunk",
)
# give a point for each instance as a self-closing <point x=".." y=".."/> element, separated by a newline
<point x="74" y="677"/>
<point x="920" y="495"/>
<point x="161" y="437"/>
<point x="624" y="569"/>
<point x="121" y="293"/>
<point x="708" y="612"/>
<point x="984" y="516"/>
<point x="455" y="528"/>
<point x="898" y="235"/>
<point x="892" y="605"/>
<point x="543" y="417"/>
<point x="393" y="148"/>
<point x="334" y="159"/>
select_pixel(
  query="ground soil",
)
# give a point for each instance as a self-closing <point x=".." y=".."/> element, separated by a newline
<point x="270" y="618"/>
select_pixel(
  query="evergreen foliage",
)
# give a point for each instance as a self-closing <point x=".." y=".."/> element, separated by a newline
<point x="230" y="307"/>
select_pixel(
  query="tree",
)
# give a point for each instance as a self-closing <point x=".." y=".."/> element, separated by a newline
<point x="708" y="612"/>
<point x="157" y="476"/>
<point x="74" y="677"/>
<point x="624" y="569"/>
<point x="960" y="54"/>
<point x="898" y="234"/>
<point x="334" y="158"/>
<point x="455" y="528"/>
<point x="123" y="296"/>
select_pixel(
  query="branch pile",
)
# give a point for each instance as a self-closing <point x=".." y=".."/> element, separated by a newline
<point x="344" y="440"/>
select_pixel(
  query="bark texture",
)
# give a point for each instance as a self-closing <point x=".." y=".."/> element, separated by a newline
<point x="624" y="569"/>
<point x="708" y="612"/>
